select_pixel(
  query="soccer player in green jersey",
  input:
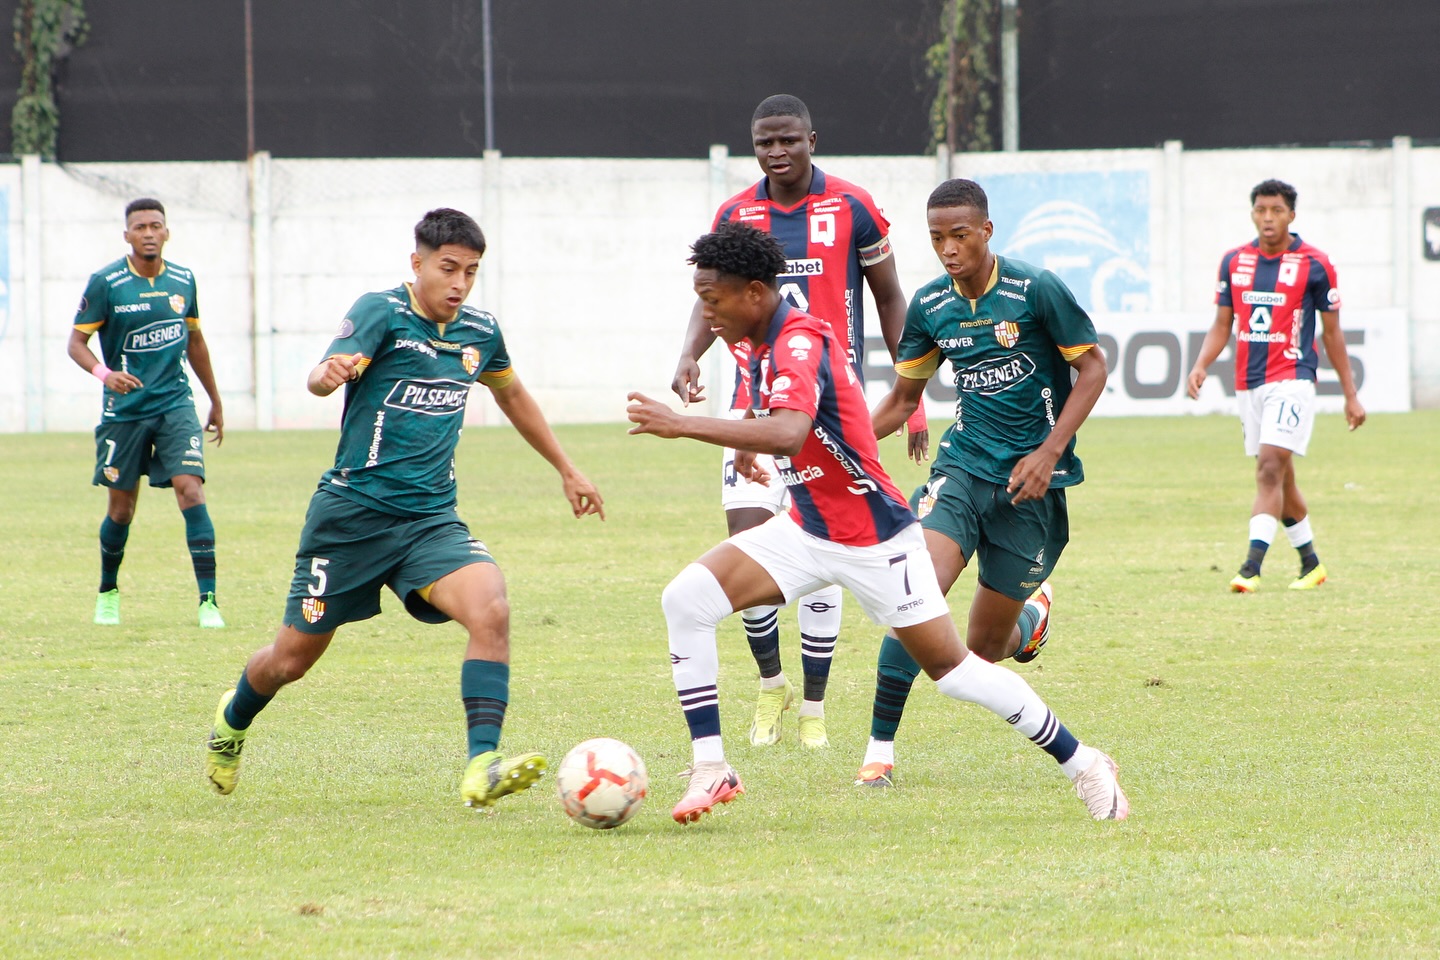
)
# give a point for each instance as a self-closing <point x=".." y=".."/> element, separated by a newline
<point x="384" y="514"/>
<point x="1016" y="339"/>
<point x="145" y="310"/>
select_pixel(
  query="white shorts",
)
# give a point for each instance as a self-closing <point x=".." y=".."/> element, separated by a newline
<point x="737" y="493"/>
<point x="1279" y="414"/>
<point x="894" y="580"/>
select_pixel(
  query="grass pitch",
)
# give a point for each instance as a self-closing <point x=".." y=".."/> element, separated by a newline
<point x="1277" y="748"/>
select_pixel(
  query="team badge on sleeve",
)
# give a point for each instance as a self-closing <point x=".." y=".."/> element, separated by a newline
<point x="1007" y="332"/>
<point x="347" y="329"/>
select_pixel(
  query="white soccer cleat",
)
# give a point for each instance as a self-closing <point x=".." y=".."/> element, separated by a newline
<point x="1100" y="790"/>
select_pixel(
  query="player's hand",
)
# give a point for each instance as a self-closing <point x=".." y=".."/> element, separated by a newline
<point x="1194" y="382"/>
<point x="1354" y="412"/>
<point x="1030" y="477"/>
<point x="917" y="445"/>
<point x="334" y="372"/>
<point x="652" y="416"/>
<point x="122" y="382"/>
<point x="584" y="498"/>
<point x="746" y="467"/>
<point x="686" y="382"/>
<point x="216" y="425"/>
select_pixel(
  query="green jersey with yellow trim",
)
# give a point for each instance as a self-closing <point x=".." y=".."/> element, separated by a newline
<point x="144" y="325"/>
<point x="1009" y="351"/>
<point x="403" y="414"/>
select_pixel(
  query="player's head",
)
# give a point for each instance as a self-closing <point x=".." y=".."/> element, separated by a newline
<point x="448" y="248"/>
<point x="1272" y="210"/>
<point x="145" y="228"/>
<point x="1274" y="188"/>
<point x="958" y="213"/>
<point x="735" y="271"/>
<point x="784" y="139"/>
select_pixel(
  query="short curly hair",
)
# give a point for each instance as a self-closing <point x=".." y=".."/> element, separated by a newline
<point x="1275" y="188"/>
<point x="960" y="193"/>
<point x="740" y="251"/>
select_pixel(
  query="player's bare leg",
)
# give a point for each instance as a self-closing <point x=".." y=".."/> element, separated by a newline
<point x="474" y="596"/>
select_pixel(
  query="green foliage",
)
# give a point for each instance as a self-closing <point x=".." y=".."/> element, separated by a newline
<point x="1274" y="746"/>
<point x="45" y="33"/>
<point x="963" y="65"/>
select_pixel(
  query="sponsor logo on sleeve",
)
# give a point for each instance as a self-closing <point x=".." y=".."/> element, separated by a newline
<point x="800" y="346"/>
<point x="347" y="329"/>
<point x="1333" y="296"/>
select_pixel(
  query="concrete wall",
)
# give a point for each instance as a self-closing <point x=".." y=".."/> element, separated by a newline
<point x="586" y="264"/>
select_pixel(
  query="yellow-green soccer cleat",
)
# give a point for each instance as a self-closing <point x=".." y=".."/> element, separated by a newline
<point x="210" y="613"/>
<point x="1243" y="584"/>
<point x="1308" y="581"/>
<point x="812" y="732"/>
<point x="491" y="776"/>
<point x="222" y="750"/>
<point x="107" y="608"/>
<point x="771" y="704"/>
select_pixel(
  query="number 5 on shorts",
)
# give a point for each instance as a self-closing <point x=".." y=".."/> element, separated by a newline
<point x="317" y="570"/>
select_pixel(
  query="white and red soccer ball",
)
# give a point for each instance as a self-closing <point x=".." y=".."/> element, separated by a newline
<point x="602" y="783"/>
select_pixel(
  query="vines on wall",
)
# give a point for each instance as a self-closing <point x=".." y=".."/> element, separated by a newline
<point x="46" y="31"/>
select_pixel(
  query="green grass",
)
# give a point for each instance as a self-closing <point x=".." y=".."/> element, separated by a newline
<point x="1277" y="749"/>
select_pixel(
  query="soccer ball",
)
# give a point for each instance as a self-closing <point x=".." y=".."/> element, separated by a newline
<point x="602" y="782"/>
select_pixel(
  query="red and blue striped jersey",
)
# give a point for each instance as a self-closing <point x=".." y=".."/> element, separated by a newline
<point x="829" y="238"/>
<point x="1276" y="300"/>
<point x="838" y="490"/>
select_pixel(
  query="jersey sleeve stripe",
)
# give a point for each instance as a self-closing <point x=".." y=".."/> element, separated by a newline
<point x="921" y="368"/>
<point x="1070" y="353"/>
<point x="89" y="327"/>
<point x="498" y="378"/>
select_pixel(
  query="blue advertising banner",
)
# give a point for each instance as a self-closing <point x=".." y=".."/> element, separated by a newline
<point x="1090" y="228"/>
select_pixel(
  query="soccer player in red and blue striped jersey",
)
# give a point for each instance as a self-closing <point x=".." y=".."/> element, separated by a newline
<point x="836" y="240"/>
<point x="1272" y="288"/>
<point x="848" y="524"/>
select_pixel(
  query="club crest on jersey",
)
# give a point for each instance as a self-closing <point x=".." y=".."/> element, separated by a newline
<point x="312" y="609"/>
<point x="1007" y="332"/>
<point x="177" y="303"/>
<point x="470" y="359"/>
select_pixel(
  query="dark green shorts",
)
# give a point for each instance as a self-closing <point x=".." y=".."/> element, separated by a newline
<point x="348" y="552"/>
<point x="159" y="447"/>
<point x="1017" y="546"/>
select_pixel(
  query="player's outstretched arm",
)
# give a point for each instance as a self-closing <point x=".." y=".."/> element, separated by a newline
<point x="781" y="434"/>
<point x="1215" y="339"/>
<point x="198" y="352"/>
<point x="1030" y="477"/>
<point x="1334" y="340"/>
<point x="698" y="337"/>
<point x="897" y="406"/>
<point x="524" y="413"/>
<point x="332" y="373"/>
